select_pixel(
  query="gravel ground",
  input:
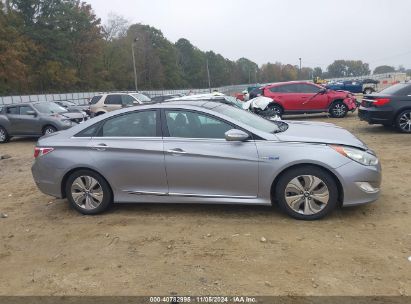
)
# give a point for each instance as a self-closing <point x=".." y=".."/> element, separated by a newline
<point x="47" y="248"/>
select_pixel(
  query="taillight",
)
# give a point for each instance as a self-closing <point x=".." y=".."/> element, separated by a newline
<point x="379" y="102"/>
<point x="42" y="151"/>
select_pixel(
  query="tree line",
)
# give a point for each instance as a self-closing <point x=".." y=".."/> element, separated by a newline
<point x="61" y="45"/>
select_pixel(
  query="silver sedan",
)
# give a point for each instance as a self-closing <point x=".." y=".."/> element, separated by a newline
<point x="206" y="152"/>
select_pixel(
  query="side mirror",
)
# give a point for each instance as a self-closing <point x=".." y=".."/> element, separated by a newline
<point x="33" y="113"/>
<point x="236" y="135"/>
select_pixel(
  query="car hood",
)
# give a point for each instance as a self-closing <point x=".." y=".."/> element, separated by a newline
<point x="72" y="115"/>
<point x="319" y="132"/>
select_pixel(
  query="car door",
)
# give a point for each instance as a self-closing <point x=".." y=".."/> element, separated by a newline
<point x="288" y="96"/>
<point x="113" y="102"/>
<point x="21" y="123"/>
<point x="313" y="99"/>
<point x="128" y="152"/>
<point x="201" y="163"/>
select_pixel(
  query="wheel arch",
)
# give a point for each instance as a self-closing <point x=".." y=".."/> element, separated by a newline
<point x="48" y="124"/>
<point x="73" y="170"/>
<point x="334" y="176"/>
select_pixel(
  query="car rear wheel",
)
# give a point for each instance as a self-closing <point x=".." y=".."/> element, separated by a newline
<point x="338" y="109"/>
<point x="88" y="192"/>
<point x="49" y="130"/>
<point x="403" y="122"/>
<point x="4" y="136"/>
<point x="307" y="193"/>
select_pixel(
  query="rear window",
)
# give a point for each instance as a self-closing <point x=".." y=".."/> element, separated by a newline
<point x="400" y="89"/>
<point x="95" y="99"/>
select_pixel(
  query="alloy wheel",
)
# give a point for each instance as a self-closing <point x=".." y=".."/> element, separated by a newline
<point x="3" y="135"/>
<point x="87" y="192"/>
<point x="405" y="122"/>
<point x="339" y="110"/>
<point x="49" y="131"/>
<point x="307" y="194"/>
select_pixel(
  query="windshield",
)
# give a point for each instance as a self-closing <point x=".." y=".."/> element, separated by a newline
<point x="395" y="89"/>
<point x="49" y="108"/>
<point x="249" y="119"/>
<point x="141" y="97"/>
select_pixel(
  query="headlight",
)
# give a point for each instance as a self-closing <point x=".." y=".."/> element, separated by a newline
<point x="67" y="122"/>
<point x="357" y="155"/>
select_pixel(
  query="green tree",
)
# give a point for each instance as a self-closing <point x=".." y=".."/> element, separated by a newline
<point x="383" y="69"/>
<point x="348" y="68"/>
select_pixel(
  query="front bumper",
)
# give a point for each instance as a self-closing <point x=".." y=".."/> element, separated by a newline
<point x="361" y="184"/>
<point x="351" y="103"/>
<point x="376" y="115"/>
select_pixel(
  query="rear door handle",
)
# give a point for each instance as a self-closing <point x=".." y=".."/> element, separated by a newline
<point x="176" y="151"/>
<point x="100" y="147"/>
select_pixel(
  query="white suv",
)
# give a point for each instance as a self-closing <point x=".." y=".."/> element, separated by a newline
<point x="104" y="103"/>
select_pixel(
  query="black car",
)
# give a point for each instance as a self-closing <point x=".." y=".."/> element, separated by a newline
<point x="390" y="107"/>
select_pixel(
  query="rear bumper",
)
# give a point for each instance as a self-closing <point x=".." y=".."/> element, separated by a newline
<point x="47" y="178"/>
<point x="376" y="115"/>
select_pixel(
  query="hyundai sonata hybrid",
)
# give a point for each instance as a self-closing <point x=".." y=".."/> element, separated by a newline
<point x="208" y="152"/>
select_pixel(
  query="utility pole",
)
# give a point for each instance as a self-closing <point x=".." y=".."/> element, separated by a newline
<point x="300" y="68"/>
<point x="134" y="62"/>
<point x="208" y="76"/>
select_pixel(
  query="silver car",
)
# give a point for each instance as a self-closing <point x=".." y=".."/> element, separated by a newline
<point x="191" y="152"/>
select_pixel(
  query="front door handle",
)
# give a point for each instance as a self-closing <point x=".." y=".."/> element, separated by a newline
<point x="100" y="147"/>
<point x="176" y="151"/>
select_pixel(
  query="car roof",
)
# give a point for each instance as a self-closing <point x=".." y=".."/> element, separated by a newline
<point x="290" y="82"/>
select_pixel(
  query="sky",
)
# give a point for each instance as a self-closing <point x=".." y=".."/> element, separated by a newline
<point x="317" y="31"/>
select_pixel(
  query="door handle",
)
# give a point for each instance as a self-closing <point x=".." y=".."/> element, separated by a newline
<point x="176" y="151"/>
<point x="100" y="147"/>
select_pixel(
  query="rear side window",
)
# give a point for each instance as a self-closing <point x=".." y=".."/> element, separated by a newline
<point x="134" y="124"/>
<point x="95" y="99"/>
<point x="289" y="88"/>
<point x="90" y="131"/>
<point x="12" y="110"/>
<point x="113" y="100"/>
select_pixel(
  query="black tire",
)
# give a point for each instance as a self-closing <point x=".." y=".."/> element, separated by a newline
<point x="81" y="204"/>
<point x="273" y="110"/>
<point x="4" y="135"/>
<point x="327" y="186"/>
<point x="338" y="109"/>
<point x="403" y="121"/>
<point x="49" y="130"/>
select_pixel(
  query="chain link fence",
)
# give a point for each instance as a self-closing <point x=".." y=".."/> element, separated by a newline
<point x="82" y="98"/>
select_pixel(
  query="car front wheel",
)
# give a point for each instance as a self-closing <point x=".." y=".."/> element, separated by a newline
<point x="88" y="192"/>
<point x="338" y="109"/>
<point x="307" y="193"/>
<point x="403" y="122"/>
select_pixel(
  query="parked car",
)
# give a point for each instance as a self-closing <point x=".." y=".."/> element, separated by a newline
<point x="101" y="104"/>
<point x="190" y="152"/>
<point x="366" y="86"/>
<point x="73" y="107"/>
<point x="297" y="97"/>
<point x="35" y="119"/>
<point x="216" y="97"/>
<point x="165" y="97"/>
<point x="390" y="107"/>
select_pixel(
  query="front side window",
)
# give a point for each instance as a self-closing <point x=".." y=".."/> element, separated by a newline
<point x="113" y="100"/>
<point x="195" y="125"/>
<point x="140" y="97"/>
<point x="134" y="124"/>
<point x="25" y="109"/>
<point x="307" y="88"/>
<point x="127" y="100"/>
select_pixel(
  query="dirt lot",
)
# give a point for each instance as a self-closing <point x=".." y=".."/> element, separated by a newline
<point x="46" y="248"/>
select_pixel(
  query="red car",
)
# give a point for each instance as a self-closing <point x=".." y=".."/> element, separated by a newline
<point x="297" y="97"/>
